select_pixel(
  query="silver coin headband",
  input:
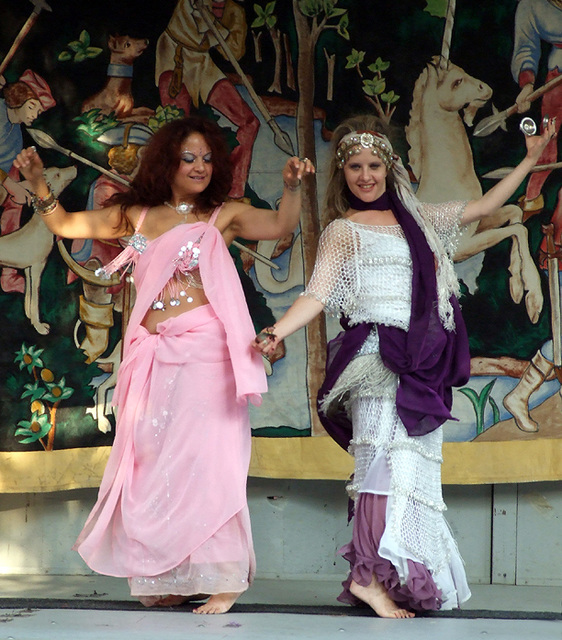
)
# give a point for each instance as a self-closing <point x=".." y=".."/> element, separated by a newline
<point x="354" y="142"/>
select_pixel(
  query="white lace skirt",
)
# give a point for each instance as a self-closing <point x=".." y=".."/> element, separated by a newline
<point x="407" y="470"/>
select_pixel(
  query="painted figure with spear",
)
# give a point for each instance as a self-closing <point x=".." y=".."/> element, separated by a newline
<point x="22" y="102"/>
<point x="538" y="21"/>
<point x="186" y="74"/>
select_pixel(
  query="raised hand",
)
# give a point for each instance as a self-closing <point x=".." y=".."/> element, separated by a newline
<point x="295" y="170"/>
<point x="30" y="165"/>
<point x="536" y="144"/>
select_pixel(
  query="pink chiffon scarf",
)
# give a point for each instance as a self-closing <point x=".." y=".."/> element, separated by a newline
<point x="222" y="287"/>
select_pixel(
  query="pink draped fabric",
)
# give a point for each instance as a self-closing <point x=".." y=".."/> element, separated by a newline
<point x="175" y="482"/>
<point x="223" y="289"/>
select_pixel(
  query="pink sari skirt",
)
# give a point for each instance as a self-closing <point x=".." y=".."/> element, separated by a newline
<point x="172" y="514"/>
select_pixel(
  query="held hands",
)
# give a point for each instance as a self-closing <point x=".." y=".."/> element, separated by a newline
<point x="266" y="341"/>
<point x="30" y="165"/>
<point x="295" y="170"/>
<point x="536" y="144"/>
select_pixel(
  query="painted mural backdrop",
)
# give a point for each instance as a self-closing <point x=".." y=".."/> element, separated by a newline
<point x="89" y="83"/>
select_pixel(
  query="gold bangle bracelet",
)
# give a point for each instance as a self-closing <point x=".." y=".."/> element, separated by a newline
<point x="46" y="210"/>
<point x="44" y="206"/>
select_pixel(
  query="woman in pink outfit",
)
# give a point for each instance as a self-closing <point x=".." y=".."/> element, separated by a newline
<point x="171" y="513"/>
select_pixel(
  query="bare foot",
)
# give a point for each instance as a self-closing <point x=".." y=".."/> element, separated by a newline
<point x="376" y="596"/>
<point x="218" y="603"/>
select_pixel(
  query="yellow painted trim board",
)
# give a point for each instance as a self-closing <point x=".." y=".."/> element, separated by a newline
<point x="307" y="458"/>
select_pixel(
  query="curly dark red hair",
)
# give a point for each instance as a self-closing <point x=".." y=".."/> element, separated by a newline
<point x="161" y="159"/>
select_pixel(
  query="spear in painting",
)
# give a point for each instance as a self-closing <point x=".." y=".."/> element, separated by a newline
<point x="553" y="254"/>
<point x="498" y="174"/>
<point x="488" y="125"/>
<point x="46" y="141"/>
<point x="38" y="6"/>
<point x="280" y="138"/>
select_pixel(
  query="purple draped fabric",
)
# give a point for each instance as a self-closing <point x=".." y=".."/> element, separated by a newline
<point x="428" y="359"/>
<point x="340" y="351"/>
<point x="419" y="593"/>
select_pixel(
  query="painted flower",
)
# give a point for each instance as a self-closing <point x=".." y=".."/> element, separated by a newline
<point x="57" y="391"/>
<point x="29" y="357"/>
<point x="34" y="429"/>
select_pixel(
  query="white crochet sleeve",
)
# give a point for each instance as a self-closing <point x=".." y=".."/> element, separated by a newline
<point x="333" y="280"/>
<point x="446" y="220"/>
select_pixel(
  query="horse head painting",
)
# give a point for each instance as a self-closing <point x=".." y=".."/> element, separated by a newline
<point x="441" y="159"/>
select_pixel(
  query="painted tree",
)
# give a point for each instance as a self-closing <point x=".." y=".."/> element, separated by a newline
<point x="266" y="18"/>
<point x="312" y="18"/>
<point x="374" y="88"/>
<point x="44" y="395"/>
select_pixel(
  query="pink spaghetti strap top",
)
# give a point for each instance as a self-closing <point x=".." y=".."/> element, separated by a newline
<point x="137" y="244"/>
<point x="141" y="218"/>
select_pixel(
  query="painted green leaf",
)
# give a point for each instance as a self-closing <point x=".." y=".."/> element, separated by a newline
<point x="495" y="410"/>
<point x="93" y="52"/>
<point x="374" y="87"/>
<point x="390" y="97"/>
<point x="378" y="66"/>
<point x="260" y="20"/>
<point x="355" y="58"/>
<point x="437" y="8"/>
<point x="33" y="391"/>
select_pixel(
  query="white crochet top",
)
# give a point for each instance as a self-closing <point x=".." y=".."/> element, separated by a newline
<point x="365" y="272"/>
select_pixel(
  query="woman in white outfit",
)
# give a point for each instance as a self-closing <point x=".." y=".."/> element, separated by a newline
<point x="384" y="267"/>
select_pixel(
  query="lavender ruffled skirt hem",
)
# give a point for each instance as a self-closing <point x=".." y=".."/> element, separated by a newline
<point x="418" y="592"/>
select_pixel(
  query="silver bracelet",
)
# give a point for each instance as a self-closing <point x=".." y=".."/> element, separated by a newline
<point x="44" y="206"/>
<point x="46" y="210"/>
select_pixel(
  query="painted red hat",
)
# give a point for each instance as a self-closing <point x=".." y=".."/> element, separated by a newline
<point x="39" y="87"/>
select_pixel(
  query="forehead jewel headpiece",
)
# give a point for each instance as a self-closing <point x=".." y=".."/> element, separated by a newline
<point x="354" y="142"/>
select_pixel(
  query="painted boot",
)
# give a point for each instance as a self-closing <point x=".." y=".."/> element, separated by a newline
<point x="517" y="401"/>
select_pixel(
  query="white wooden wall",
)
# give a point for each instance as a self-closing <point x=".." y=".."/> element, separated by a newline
<point x="507" y="534"/>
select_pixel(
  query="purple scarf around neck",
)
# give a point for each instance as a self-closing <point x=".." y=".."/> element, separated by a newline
<point x="428" y="359"/>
